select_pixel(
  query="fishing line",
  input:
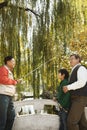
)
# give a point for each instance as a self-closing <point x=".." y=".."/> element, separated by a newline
<point x="39" y="67"/>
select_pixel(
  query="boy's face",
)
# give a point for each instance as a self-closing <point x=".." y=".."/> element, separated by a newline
<point x="61" y="76"/>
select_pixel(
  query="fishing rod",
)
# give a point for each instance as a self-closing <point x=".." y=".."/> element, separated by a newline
<point x="37" y="68"/>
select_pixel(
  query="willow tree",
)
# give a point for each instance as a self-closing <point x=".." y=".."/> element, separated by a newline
<point x="59" y="24"/>
<point x="14" y="34"/>
<point x="40" y="34"/>
<point x="79" y="41"/>
<point x="52" y="39"/>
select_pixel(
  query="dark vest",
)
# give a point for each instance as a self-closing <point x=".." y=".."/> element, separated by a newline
<point x="78" y="92"/>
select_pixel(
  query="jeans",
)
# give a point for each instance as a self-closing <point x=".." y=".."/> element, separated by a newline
<point x="63" y="119"/>
<point x="7" y="112"/>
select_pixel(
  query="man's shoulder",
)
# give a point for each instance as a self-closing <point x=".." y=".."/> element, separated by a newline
<point x="80" y="67"/>
<point x="83" y="67"/>
<point x="3" y="68"/>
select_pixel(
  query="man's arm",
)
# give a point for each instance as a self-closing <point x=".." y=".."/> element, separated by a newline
<point x="4" y="77"/>
<point x="81" y="80"/>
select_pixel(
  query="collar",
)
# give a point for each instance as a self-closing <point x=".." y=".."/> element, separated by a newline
<point x="75" y="66"/>
<point x="7" y="68"/>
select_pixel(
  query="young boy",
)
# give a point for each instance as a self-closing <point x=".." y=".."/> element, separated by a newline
<point x="62" y="98"/>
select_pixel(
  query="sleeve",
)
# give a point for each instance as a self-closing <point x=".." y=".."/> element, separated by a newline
<point x="4" y="78"/>
<point x="81" y="79"/>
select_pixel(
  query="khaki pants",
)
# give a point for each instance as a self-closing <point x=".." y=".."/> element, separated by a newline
<point x="76" y="118"/>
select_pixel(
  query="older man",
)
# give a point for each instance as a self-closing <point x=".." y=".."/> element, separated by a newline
<point x="78" y="90"/>
<point x="7" y="90"/>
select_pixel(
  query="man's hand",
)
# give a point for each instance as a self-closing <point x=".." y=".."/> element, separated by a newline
<point x="19" y="80"/>
<point x="65" y="89"/>
<point x="54" y="98"/>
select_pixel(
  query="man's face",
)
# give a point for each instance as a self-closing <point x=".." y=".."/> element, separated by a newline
<point x="11" y="63"/>
<point x="73" y="61"/>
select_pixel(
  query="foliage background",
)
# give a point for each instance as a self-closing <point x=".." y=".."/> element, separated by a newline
<point x="41" y="34"/>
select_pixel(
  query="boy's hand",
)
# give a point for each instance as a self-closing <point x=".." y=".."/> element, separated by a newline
<point x="54" y="98"/>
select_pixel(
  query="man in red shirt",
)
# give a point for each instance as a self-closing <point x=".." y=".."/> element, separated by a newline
<point x="7" y="90"/>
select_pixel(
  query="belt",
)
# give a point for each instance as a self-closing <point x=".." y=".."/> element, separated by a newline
<point x="77" y="96"/>
<point x="61" y="108"/>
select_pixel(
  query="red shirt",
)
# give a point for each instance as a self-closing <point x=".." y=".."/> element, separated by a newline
<point x="4" y="77"/>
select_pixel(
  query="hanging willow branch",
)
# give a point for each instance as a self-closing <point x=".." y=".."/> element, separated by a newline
<point x="27" y="9"/>
<point x="5" y="4"/>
